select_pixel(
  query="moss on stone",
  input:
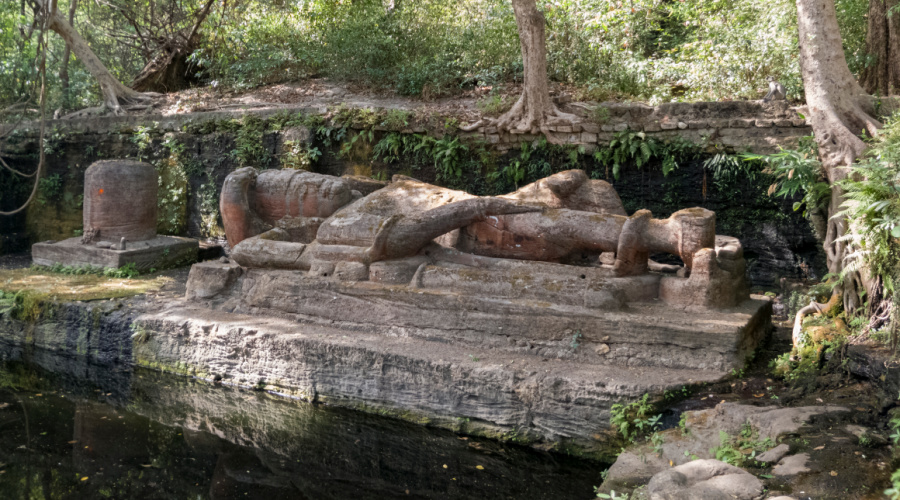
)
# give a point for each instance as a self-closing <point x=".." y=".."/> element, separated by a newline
<point x="39" y="286"/>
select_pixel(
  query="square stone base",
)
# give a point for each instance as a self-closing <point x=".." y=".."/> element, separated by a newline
<point x="159" y="253"/>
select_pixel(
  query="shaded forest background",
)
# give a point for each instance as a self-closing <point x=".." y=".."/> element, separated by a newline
<point x="648" y="50"/>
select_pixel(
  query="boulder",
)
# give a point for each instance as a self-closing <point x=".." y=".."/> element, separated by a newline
<point x="705" y="480"/>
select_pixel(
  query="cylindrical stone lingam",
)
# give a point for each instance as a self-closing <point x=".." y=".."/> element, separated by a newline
<point x="120" y="200"/>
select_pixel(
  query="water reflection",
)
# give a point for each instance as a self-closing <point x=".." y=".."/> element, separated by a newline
<point x="92" y="432"/>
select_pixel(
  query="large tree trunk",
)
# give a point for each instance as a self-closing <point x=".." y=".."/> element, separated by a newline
<point x="114" y="93"/>
<point x="839" y="110"/>
<point x="882" y="43"/>
<point x="534" y="111"/>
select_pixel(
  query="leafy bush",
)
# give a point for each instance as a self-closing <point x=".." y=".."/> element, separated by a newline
<point x="633" y="420"/>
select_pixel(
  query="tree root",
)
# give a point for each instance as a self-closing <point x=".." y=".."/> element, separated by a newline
<point x="522" y="119"/>
<point x="813" y="308"/>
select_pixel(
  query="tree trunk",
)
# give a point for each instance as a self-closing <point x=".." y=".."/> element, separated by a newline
<point x="882" y="43"/>
<point x="113" y="91"/>
<point x="534" y="110"/>
<point x="64" y="68"/>
<point x="839" y="110"/>
<point x="170" y="70"/>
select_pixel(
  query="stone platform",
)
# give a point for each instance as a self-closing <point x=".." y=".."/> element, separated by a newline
<point x="161" y="252"/>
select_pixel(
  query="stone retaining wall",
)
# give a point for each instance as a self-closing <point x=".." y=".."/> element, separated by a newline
<point x="723" y="126"/>
<point x="731" y="126"/>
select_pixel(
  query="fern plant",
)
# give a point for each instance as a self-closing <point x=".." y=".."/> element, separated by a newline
<point x="872" y="204"/>
<point x="628" y="146"/>
<point x="797" y="171"/>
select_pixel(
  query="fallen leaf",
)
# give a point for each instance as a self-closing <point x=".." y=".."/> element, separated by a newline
<point x="71" y="442"/>
<point x="833" y="473"/>
<point x="146" y="465"/>
<point x="819" y="447"/>
<point x="445" y="466"/>
<point x="671" y="463"/>
<point x="861" y="409"/>
<point x="38" y="395"/>
<point x="759" y="395"/>
<point x="479" y="467"/>
<point x="85" y="478"/>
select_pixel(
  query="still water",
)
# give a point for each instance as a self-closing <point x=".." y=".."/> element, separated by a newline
<point x="83" y="431"/>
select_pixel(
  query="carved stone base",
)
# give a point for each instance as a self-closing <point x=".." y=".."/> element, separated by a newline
<point x="591" y="320"/>
<point x="159" y="253"/>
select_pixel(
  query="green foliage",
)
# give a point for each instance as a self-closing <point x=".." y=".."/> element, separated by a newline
<point x="248" y="143"/>
<point x="420" y="48"/>
<point x="396" y="119"/>
<point x="127" y="271"/>
<point x="628" y="147"/>
<point x="209" y="210"/>
<point x="872" y="194"/>
<point x="797" y="172"/>
<point x="893" y="493"/>
<point x="173" y="188"/>
<point x="24" y="305"/>
<point x="143" y="139"/>
<point x="296" y="155"/>
<point x="742" y="449"/>
<point x="49" y="189"/>
<point x="643" y="49"/>
<point x="633" y="420"/>
<point x="494" y="104"/>
<point x="612" y="495"/>
<point x="574" y="344"/>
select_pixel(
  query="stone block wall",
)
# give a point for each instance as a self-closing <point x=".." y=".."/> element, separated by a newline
<point x="736" y="126"/>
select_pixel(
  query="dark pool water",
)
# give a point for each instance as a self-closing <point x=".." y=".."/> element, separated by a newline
<point x="82" y="431"/>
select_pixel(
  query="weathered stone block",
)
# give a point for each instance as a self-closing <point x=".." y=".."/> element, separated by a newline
<point x="763" y="123"/>
<point x="592" y="128"/>
<point x="588" y="137"/>
<point x="741" y="123"/>
<point x="210" y="279"/>
<point x="784" y="123"/>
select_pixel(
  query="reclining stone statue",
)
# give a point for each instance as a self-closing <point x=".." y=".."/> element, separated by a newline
<point x="351" y="229"/>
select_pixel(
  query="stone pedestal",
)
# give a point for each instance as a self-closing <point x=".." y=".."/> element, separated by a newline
<point x="160" y="252"/>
